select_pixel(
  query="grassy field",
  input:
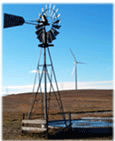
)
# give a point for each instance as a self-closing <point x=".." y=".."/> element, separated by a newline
<point x="78" y="102"/>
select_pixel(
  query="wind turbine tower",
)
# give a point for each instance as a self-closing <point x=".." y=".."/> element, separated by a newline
<point x="75" y="67"/>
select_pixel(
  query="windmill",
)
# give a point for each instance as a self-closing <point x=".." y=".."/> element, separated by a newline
<point x="47" y="30"/>
<point x="75" y="67"/>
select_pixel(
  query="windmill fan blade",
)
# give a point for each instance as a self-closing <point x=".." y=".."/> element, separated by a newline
<point x="45" y="6"/>
<point x="42" y="10"/>
<point x="73" y="55"/>
<point x="56" y="26"/>
<point x="41" y="37"/>
<point x="39" y="26"/>
<point x="46" y="21"/>
<point x="53" y="7"/>
<point x="55" y="31"/>
<point x="45" y="18"/>
<point x="38" y="31"/>
<point x="56" y="22"/>
<point x="40" y="15"/>
<point x="53" y="36"/>
<point x="38" y="34"/>
<point x="49" y="37"/>
<point x="49" y="8"/>
<point x="52" y="11"/>
<point x="12" y="20"/>
<point x="58" y="15"/>
<point x="55" y="13"/>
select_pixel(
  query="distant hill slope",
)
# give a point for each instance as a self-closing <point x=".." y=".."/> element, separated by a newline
<point x="73" y="101"/>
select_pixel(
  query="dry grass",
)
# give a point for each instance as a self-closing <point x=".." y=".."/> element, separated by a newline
<point x="80" y="101"/>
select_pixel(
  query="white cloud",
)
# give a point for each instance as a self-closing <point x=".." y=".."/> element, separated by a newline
<point x="87" y="85"/>
<point x="19" y="87"/>
<point x="34" y="71"/>
<point x="97" y="82"/>
<point x="62" y="86"/>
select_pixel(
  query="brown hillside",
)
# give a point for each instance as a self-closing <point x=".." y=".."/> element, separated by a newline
<point x="73" y="101"/>
<point x="80" y="101"/>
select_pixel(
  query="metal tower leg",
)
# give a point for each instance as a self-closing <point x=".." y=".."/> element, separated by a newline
<point x="45" y="92"/>
<point x="29" y="115"/>
<point x="57" y="86"/>
<point x="58" y="97"/>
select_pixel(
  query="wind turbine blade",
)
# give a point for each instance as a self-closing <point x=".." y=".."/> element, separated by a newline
<point x="73" y="70"/>
<point x="81" y="63"/>
<point x="73" y="56"/>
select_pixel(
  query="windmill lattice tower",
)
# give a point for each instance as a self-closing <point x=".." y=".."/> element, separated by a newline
<point x="46" y="37"/>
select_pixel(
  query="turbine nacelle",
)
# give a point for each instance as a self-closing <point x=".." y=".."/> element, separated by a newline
<point x="75" y="62"/>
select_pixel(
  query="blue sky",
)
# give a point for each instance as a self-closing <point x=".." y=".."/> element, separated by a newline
<point x="86" y="28"/>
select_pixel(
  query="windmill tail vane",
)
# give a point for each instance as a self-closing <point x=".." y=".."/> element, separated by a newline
<point x="11" y="20"/>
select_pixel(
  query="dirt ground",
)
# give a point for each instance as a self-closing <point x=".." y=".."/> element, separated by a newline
<point x="83" y="103"/>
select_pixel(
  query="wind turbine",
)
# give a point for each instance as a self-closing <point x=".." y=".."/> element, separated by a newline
<point x="75" y="67"/>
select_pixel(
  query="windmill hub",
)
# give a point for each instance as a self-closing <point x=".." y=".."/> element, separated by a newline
<point x="75" y="63"/>
<point x="47" y="26"/>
